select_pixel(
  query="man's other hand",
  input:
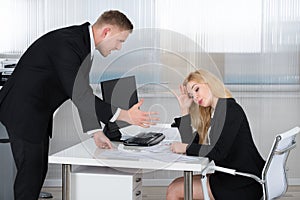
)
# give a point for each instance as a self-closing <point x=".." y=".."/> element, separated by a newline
<point x="137" y="117"/>
<point x="101" y="140"/>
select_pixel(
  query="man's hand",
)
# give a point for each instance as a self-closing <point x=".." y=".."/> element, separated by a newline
<point x="102" y="141"/>
<point x="137" y="117"/>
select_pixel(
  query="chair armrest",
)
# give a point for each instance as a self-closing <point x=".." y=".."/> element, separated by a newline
<point x="211" y="168"/>
<point x="225" y="170"/>
<point x="251" y="176"/>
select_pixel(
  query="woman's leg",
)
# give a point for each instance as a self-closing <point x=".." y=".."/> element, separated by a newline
<point x="175" y="190"/>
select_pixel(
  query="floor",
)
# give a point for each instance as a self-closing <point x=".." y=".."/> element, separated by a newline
<point x="158" y="193"/>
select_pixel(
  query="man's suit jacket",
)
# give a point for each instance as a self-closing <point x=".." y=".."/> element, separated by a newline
<point x="53" y="69"/>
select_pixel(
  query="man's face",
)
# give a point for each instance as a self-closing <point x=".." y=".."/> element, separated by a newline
<point x="113" y="40"/>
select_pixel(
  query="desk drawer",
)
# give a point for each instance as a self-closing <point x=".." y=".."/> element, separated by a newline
<point x="137" y="192"/>
<point x="105" y="183"/>
<point x="137" y="179"/>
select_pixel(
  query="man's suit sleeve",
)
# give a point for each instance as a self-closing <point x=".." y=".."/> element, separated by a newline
<point x="73" y="72"/>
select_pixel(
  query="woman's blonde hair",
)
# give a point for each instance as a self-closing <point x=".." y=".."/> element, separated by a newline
<point x="201" y="116"/>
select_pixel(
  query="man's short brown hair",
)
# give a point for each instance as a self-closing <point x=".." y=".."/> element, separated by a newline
<point x="115" y="17"/>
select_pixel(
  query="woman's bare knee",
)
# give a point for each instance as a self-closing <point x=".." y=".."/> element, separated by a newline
<point x="175" y="189"/>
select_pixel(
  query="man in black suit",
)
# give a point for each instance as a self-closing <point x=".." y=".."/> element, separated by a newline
<point x="56" y="68"/>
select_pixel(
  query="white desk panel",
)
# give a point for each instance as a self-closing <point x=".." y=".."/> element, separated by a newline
<point x="87" y="154"/>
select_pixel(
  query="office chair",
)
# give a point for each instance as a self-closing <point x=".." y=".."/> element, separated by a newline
<point x="273" y="179"/>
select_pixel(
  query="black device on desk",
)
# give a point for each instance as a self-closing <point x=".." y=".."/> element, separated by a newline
<point x="122" y="93"/>
<point x="144" y="139"/>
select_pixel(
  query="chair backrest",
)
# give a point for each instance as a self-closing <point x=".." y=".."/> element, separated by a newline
<point x="274" y="172"/>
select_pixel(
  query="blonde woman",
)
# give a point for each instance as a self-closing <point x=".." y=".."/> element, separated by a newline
<point x="214" y="125"/>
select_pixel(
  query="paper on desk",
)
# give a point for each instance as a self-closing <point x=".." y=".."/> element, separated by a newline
<point x="171" y="157"/>
<point x="159" y="148"/>
<point x="157" y="152"/>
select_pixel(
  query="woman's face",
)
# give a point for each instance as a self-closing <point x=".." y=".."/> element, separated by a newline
<point x="201" y="93"/>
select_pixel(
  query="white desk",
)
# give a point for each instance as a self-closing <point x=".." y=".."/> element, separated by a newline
<point x="87" y="154"/>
